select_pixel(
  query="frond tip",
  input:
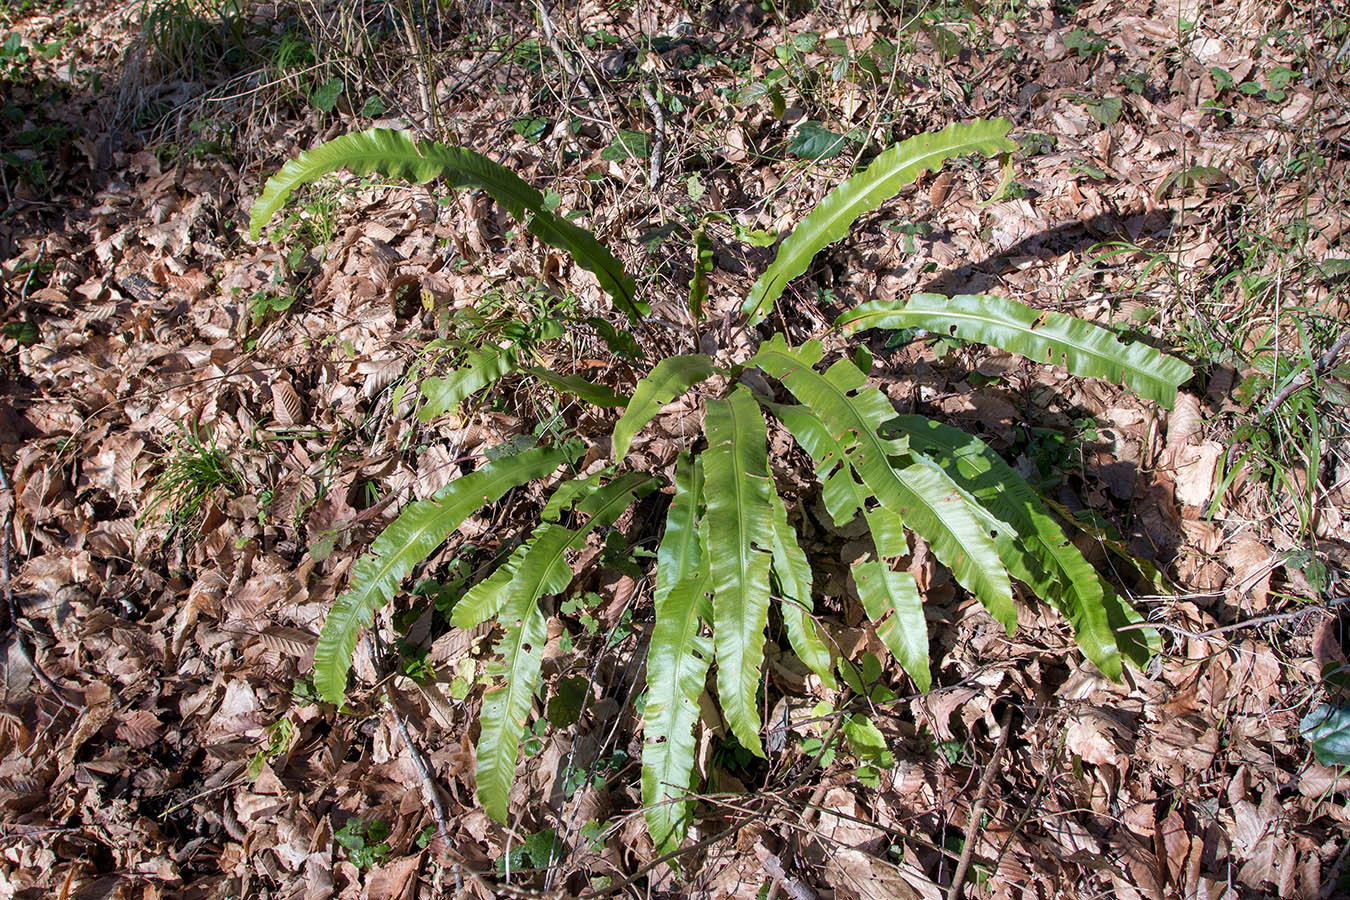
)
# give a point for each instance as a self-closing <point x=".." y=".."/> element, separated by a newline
<point x="397" y="154"/>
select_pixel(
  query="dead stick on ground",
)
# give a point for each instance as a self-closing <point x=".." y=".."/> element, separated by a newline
<point x="15" y="622"/>
<point x="1236" y="626"/>
<point x="658" y="141"/>
<point x="1325" y="362"/>
<point x="429" y="788"/>
<point x="977" y="811"/>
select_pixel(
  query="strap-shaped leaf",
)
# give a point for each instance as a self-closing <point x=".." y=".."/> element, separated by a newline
<point x="396" y="154"/>
<point x="792" y="573"/>
<point x="677" y="664"/>
<point x="667" y="380"/>
<point x="419" y="529"/>
<point x="703" y="266"/>
<point x="931" y="504"/>
<point x="480" y="369"/>
<point x="904" y="631"/>
<point x="506" y="706"/>
<point x="538" y="569"/>
<point x="851" y="412"/>
<point x="844" y="497"/>
<point x="889" y="172"/>
<point x="924" y="499"/>
<point x="740" y="541"/>
<point x="1083" y="348"/>
<point x="1036" y="552"/>
<point x="594" y="394"/>
<point x="881" y="590"/>
<point x="680" y="553"/>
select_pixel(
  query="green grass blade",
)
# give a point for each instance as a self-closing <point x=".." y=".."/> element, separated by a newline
<point x="792" y="573"/>
<point x="703" y="267"/>
<point x="740" y="540"/>
<point x="506" y="706"/>
<point x="884" y="591"/>
<point x="419" y="529"/>
<point x="1083" y="348"/>
<point x="677" y="665"/>
<point x="481" y="369"/>
<point x="1036" y="552"/>
<point x="396" y="154"/>
<point x="667" y="380"/>
<point x="888" y="173"/>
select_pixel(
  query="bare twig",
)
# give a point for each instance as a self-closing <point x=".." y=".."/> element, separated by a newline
<point x="658" y="140"/>
<point x="1236" y="626"/>
<point x="1324" y="362"/>
<point x="429" y="787"/>
<point x="422" y="67"/>
<point x="774" y="868"/>
<point x="551" y="38"/>
<point x="1301" y="380"/>
<point x="977" y="811"/>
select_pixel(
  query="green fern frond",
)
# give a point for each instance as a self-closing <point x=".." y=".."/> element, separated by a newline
<point x="419" y="529"/>
<point x="792" y="574"/>
<point x="536" y="570"/>
<point x="892" y="601"/>
<point x="594" y="394"/>
<point x="1036" y="551"/>
<point x="1081" y="347"/>
<point x="888" y="173"/>
<point x="506" y="706"/>
<point x="677" y="663"/>
<point x="853" y="415"/>
<point x="397" y="154"/>
<point x="667" y="380"/>
<point x="740" y="541"/>
<point x="930" y="503"/>
<point x="480" y="369"/>
<point x="890" y="598"/>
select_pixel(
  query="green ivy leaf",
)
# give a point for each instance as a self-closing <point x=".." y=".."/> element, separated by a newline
<point x="1106" y="110"/>
<point x="1327" y="728"/>
<point x="815" y="141"/>
<point x="532" y="128"/>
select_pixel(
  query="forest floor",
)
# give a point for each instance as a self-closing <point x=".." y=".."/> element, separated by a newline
<point x="200" y="433"/>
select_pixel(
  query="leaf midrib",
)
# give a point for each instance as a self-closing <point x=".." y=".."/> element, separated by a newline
<point x="1048" y="337"/>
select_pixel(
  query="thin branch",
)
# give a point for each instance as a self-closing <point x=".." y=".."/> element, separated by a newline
<point x="659" y="140"/>
<point x="429" y="786"/>
<point x="1236" y="626"/>
<point x="1326" y="361"/>
<point x="977" y="811"/>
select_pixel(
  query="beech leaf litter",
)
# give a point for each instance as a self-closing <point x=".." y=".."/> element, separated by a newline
<point x="200" y="433"/>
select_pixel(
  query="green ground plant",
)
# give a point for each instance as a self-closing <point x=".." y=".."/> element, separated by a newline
<point x="191" y="473"/>
<point x="728" y="553"/>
